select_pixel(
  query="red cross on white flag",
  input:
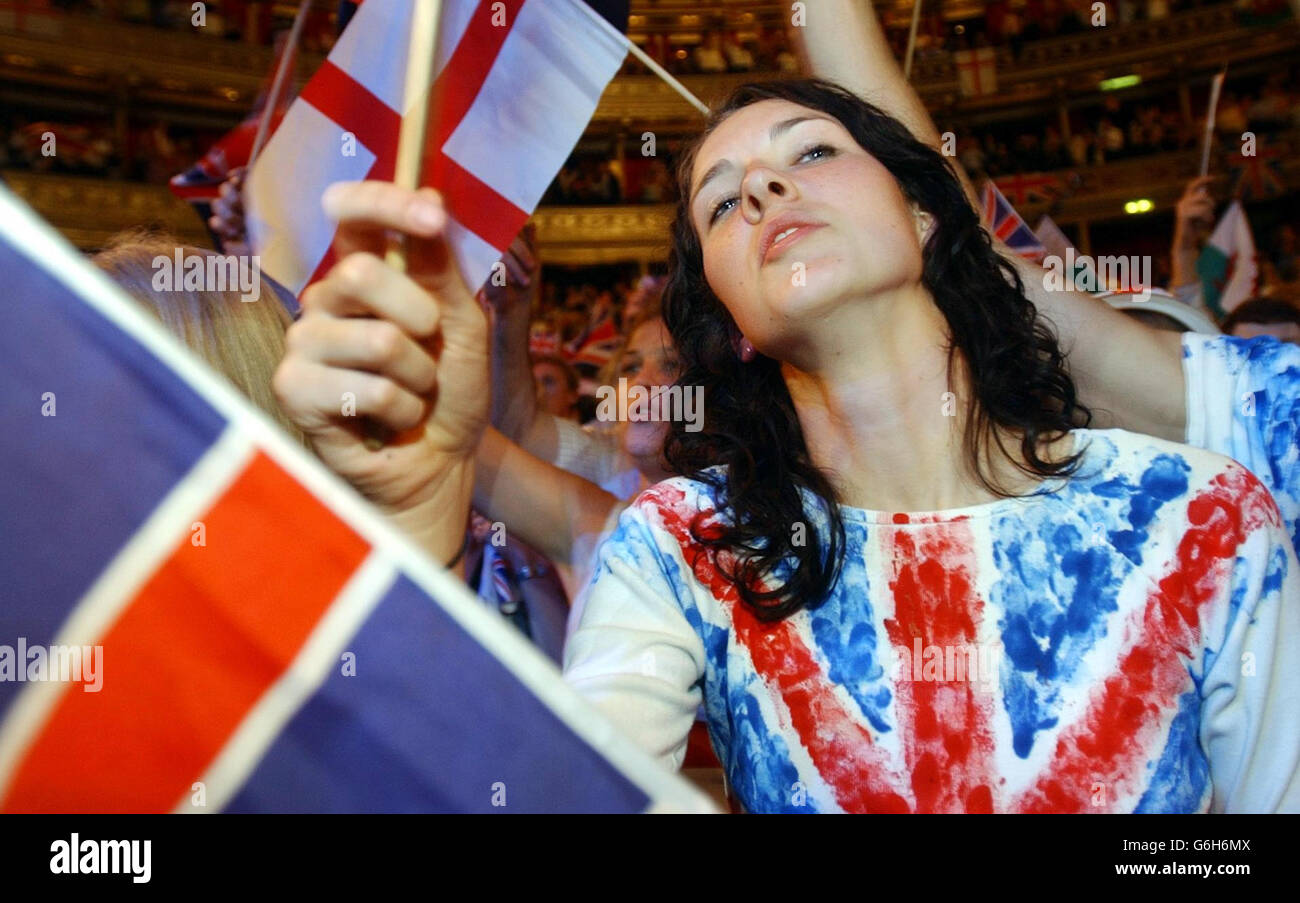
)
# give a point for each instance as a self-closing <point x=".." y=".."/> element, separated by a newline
<point x="515" y="84"/>
<point x="977" y="71"/>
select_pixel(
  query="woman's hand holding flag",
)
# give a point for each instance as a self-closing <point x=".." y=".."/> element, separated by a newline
<point x="407" y="351"/>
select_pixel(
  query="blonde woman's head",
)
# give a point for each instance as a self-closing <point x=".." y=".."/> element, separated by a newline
<point x="242" y="340"/>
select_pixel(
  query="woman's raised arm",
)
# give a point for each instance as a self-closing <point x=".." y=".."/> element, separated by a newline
<point x="1129" y="374"/>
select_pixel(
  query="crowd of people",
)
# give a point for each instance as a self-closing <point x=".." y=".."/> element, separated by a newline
<point x="719" y="43"/>
<point x="1113" y="130"/>
<point x="918" y="445"/>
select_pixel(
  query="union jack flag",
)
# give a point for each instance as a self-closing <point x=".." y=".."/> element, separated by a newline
<point x="1025" y="189"/>
<point x="1002" y="221"/>
<point x="200" y="183"/>
<point x="597" y="345"/>
<point x="543" y="341"/>
<point x="266" y="641"/>
<point x="1258" y="175"/>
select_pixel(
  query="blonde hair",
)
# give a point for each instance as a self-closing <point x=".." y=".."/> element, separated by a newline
<point x="242" y="340"/>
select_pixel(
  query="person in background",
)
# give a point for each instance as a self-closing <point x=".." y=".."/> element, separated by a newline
<point x="241" y="340"/>
<point x="560" y="487"/>
<point x="1193" y="220"/>
<point x="1264" y="317"/>
<point x="557" y="386"/>
<point x="619" y="458"/>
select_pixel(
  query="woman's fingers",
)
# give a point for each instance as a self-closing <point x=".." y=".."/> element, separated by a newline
<point x="316" y="397"/>
<point x="368" y="213"/>
<point x="516" y="270"/>
<point x="361" y="285"/>
<point x="374" y="346"/>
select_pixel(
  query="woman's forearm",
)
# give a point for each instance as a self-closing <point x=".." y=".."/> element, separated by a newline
<point x="549" y="508"/>
<point x="842" y="41"/>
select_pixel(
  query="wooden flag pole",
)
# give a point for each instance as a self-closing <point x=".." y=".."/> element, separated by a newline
<point x="277" y="84"/>
<point x="410" y="143"/>
<point x="911" y="39"/>
<point x="419" y="76"/>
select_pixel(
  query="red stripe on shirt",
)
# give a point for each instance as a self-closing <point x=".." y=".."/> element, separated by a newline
<point x="1102" y="755"/>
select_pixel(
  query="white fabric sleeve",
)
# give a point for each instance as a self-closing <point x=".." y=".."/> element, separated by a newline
<point x="589" y="455"/>
<point x="1243" y="401"/>
<point x="1250" y="720"/>
<point x="633" y="654"/>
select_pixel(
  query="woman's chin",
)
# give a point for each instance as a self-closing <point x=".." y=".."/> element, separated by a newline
<point x="800" y="293"/>
<point x="643" y="440"/>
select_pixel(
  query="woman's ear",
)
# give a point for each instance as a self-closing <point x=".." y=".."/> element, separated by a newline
<point x="743" y="347"/>
<point x="924" y="223"/>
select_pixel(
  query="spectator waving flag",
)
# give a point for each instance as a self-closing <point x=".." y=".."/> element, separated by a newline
<point x="1002" y="222"/>
<point x="515" y="84"/>
<point x="198" y="617"/>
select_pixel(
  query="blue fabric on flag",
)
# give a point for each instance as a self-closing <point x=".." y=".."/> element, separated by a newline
<point x="477" y="726"/>
<point x="78" y="484"/>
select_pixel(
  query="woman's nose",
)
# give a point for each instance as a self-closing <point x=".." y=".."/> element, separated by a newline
<point x="760" y="187"/>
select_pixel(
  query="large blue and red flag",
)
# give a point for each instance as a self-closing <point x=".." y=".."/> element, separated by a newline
<point x="199" y="617"/>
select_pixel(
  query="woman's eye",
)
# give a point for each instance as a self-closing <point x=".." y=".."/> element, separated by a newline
<point x="720" y="207"/>
<point x="816" y="152"/>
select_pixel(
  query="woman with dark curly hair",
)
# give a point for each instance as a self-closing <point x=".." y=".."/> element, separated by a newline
<point x="899" y="571"/>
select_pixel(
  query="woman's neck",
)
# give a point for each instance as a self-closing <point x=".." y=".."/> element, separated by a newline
<point x="881" y="415"/>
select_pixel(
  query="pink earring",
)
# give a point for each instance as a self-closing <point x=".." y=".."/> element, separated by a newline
<point x="747" y="351"/>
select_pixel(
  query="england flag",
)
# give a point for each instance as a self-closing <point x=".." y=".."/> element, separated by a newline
<point x="515" y="84"/>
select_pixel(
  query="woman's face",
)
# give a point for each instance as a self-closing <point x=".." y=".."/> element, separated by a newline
<point x="794" y="219"/>
<point x="649" y="360"/>
<point x="554" y="396"/>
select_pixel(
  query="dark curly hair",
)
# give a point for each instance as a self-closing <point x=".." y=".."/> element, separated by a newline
<point x="1015" y="366"/>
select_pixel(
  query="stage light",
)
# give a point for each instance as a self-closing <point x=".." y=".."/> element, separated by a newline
<point x="1123" y="81"/>
<point x="1141" y="205"/>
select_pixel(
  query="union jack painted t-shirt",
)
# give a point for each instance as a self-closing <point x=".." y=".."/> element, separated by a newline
<point x="1124" y="640"/>
<point x="1243" y="401"/>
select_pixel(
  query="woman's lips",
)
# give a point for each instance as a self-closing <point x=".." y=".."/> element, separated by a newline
<point x="780" y="245"/>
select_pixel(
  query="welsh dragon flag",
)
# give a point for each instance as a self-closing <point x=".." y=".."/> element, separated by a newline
<point x="1227" y="265"/>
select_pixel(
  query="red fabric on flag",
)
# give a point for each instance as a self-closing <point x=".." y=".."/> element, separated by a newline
<point x="173" y="658"/>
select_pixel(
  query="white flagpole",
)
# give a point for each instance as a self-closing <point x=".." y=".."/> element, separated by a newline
<point x="911" y="39"/>
<point x="277" y="84"/>
<point x="1215" y="87"/>
<point x="663" y="73"/>
<point x="600" y="22"/>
